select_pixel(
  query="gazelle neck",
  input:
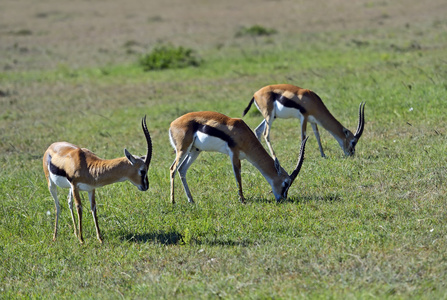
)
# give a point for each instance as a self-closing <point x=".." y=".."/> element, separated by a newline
<point x="107" y="171"/>
<point x="262" y="161"/>
<point x="333" y="126"/>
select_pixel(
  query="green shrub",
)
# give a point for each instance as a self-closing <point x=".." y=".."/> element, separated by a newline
<point x="255" y="30"/>
<point x="23" y="32"/>
<point x="169" y="57"/>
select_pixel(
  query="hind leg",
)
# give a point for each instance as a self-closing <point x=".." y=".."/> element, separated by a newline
<point x="70" y="206"/>
<point x="179" y="158"/>
<point x="268" y="125"/>
<point x="53" y="190"/>
<point x="260" y="130"/>
<point x="190" y="158"/>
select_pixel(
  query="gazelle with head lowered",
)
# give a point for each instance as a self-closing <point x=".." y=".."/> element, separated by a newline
<point x="68" y="166"/>
<point x="289" y="101"/>
<point x="195" y="132"/>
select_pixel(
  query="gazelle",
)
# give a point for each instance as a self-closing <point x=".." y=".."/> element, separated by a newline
<point x="289" y="101"/>
<point x="68" y="166"/>
<point x="195" y="132"/>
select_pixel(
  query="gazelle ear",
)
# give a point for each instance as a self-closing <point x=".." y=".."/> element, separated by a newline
<point x="129" y="156"/>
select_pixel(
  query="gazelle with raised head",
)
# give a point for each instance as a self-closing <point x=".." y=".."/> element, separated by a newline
<point x="195" y="132"/>
<point x="289" y="101"/>
<point x="67" y="166"/>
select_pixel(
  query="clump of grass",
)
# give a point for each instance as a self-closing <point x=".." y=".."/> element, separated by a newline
<point x="132" y="46"/>
<point x="22" y="32"/>
<point x="169" y="57"/>
<point x="255" y="30"/>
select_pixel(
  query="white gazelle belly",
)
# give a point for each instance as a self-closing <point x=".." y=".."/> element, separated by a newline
<point x="284" y="112"/>
<point x="205" y="142"/>
<point x="63" y="182"/>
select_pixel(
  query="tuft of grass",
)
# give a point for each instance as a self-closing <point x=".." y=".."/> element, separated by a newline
<point x="255" y="30"/>
<point x="169" y="57"/>
<point x="22" y="32"/>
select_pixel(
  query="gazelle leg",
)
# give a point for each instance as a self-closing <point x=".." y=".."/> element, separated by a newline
<point x="70" y="206"/>
<point x="180" y="157"/>
<point x="303" y="122"/>
<point x="317" y="135"/>
<point x="91" y="197"/>
<point x="260" y="130"/>
<point x="53" y="190"/>
<point x="237" y="173"/>
<point x="268" y="125"/>
<point x="78" y="203"/>
<point x="184" y="166"/>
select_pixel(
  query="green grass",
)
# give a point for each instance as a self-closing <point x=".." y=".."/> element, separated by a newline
<point x="254" y="31"/>
<point x="168" y="57"/>
<point x="370" y="226"/>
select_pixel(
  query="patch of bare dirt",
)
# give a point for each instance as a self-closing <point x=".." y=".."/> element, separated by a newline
<point x="50" y="33"/>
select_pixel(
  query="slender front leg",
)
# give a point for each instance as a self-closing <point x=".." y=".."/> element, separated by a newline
<point x="303" y="122"/>
<point x="91" y="197"/>
<point x="78" y="203"/>
<point x="317" y="135"/>
<point x="237" y="173"/>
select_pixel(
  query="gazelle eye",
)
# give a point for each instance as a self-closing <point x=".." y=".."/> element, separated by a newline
<point x="285" y="188"/>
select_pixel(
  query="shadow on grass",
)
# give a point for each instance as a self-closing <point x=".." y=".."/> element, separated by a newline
<point x="174" y="238"/>
<point x="224" y="243"/>
<point x="165" y="238"/>
<point x="306" y="199"/>
<point x="299" y="199"/>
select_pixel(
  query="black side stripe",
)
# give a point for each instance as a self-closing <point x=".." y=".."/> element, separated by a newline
<point x="56" y="170"/>
<point x="212" y="131"/>
<point x="288" y="103"/>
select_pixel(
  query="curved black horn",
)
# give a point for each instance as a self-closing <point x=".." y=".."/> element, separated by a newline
<point x="300" y="161"/>
<point x="149" y="142"/>
<point x="361" y="125"/>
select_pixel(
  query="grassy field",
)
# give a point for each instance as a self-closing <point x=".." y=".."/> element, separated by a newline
<point x="369" y="226"/>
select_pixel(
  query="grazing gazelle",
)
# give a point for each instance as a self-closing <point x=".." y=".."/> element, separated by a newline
<point x="211" y="131"/>
<point x="68" y="166"/>
<point x="289" y="101"/>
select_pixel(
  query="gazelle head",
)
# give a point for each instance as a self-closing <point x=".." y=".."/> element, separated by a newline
<point x="140" y="165"/>
<point x="284" y="180"/>
<point x="351" y="139"/>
